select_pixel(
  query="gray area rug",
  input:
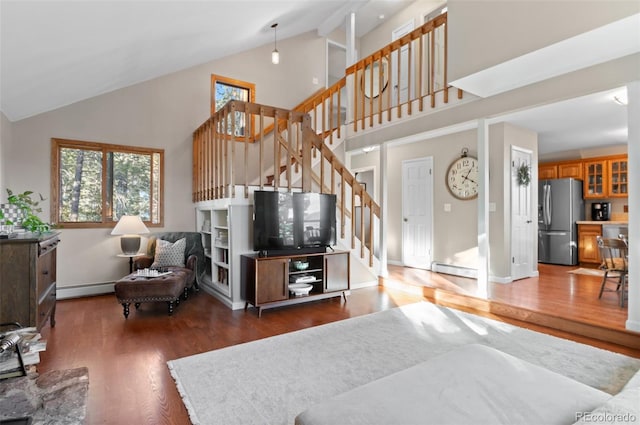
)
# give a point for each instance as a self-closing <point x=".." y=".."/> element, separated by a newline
<point x="270" y="381"/>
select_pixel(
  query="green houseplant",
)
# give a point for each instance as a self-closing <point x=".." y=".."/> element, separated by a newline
<point x="29" y="207"/>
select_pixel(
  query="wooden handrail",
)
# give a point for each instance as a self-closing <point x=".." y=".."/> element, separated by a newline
<point x="420" y="75"/>
<point x="221" y="158"/>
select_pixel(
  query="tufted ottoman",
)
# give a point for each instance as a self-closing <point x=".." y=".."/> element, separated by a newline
<point x="137" y="289"/>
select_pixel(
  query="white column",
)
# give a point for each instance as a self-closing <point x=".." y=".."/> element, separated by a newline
<point x="382" y="232"/>
<point x="633" y="150"/>
<point x="483" y="208"/>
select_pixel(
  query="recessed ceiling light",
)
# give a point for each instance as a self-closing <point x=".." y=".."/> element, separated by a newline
<point x="381" y="16"/>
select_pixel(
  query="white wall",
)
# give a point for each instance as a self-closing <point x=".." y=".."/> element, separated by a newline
<point x="459" y="247"/>
<point x="381" y="35"/>
<point x="485" y="33"/>
<point x="5" y="141"/>
<point x="502" y="137"/>
<point x="160" y="113"/>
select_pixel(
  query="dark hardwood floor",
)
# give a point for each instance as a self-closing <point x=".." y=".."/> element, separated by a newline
<point x="130" y="382"/>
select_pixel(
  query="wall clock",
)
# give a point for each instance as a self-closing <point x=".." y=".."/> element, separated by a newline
<point x="462" y="177"/>
<point x="373" y="85"/>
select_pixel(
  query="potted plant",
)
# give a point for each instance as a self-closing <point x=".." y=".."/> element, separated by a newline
<point x="29" y="208"/>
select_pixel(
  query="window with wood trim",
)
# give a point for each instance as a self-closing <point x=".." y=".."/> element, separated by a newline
<point x="94" y="184"/>
<point x="224" y="89"/>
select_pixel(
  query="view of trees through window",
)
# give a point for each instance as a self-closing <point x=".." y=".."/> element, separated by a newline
<point x="223" y="90"/>
<point x="98" y="183"/>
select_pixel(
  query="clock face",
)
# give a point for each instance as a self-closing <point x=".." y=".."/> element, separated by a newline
<point x="462" y="178"/>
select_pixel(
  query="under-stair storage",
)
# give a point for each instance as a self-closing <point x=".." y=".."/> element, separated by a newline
<point x="226" y="234"/>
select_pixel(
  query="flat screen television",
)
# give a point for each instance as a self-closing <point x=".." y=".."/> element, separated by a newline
<point x="286" y="221"/>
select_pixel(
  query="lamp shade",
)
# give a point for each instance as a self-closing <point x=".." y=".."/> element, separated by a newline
<point x="129" y="225"/>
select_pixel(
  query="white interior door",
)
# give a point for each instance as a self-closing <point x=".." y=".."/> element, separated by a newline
<point x="522" y="235"/>
<point x="417" y="212"/>
<point x="400" y="80"/>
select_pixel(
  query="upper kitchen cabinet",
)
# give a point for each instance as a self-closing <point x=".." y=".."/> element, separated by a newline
<point x="570" y="169"/>
<point x="595" y="181"/>
<point x="606" y="177"/>
<point x="560" y="170"/>
<point x="547" y="171"/>
<point x="603" y="177"/>
<point x="618" y="183"/>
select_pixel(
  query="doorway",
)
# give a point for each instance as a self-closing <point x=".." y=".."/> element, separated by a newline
<point x="417" y="212"/>
<point x="522" y="235"/>
<point x="400" y="83"/>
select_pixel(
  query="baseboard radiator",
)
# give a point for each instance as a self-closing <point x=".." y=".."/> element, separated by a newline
<point x="454" y="270"/>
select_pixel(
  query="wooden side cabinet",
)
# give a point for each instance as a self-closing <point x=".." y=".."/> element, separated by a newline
<point x="587" y="244"/>
<point x="28" y="279"/>
<point x="265" y="280"/>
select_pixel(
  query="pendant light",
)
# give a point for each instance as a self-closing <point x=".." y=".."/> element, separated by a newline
<point x="275" y="55"/>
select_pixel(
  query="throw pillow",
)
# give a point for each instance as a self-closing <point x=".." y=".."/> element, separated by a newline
<point x="169" y="254"/>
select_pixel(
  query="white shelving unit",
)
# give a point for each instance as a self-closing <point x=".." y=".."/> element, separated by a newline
<point x="226" y="231"/>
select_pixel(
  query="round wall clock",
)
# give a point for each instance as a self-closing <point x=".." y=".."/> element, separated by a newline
<point x="462" y="177"/>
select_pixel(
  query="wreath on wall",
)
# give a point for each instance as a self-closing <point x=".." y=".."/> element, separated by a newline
<point x="524" y="174"/>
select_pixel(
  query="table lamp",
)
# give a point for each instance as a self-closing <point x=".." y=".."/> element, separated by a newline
<point x="130" y="227"/>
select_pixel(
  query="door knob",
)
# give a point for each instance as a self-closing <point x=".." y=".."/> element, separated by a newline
<point x="406" y="219"/>
<point x="528" y="221"/>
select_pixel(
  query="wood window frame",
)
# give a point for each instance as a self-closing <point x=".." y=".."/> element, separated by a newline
<point x="107" y="218"/>
<point x="242" y="85"/>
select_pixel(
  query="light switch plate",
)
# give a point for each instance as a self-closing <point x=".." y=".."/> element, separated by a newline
<point x="447" y="207"/>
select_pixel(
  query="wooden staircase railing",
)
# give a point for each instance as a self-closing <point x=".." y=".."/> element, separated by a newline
<point x="222" y="161"/>
<point x="226" y="156"/>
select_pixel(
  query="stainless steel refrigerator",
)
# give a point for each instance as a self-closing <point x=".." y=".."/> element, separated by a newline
<point x="560" y="205"/>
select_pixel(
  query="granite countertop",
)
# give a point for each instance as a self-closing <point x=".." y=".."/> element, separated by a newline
<point x="618" y="222"/>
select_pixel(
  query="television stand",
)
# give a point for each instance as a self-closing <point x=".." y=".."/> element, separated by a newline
<point x="292" y="252"/>
<point x="265" y="280"/>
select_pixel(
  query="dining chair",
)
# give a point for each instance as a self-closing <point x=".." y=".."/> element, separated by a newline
<point x="614" y="254"/>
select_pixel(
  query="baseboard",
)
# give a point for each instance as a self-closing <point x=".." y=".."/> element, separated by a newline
<point x="85" y="290"/>
<point x="454" y="270"/>
<point x="224" y="300"/>
<point x="366" y="284"/>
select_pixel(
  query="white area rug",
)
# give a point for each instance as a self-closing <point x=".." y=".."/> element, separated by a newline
<point x="270" y="381"/>
<point x="592" y="272"/>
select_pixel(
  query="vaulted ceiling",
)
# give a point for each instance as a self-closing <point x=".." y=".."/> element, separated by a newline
<point x="54" y="53"/>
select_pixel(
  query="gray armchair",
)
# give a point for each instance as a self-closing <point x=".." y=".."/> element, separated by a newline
<point x="194" y="259"/>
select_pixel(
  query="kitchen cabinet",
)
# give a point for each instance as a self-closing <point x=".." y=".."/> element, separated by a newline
<point x="617" y="173"/>
<point x="587" y="243"/>
<point x="572" y="169"/>
<point x="547" y="171"/>
<point x="595" y="178"/>
<point x="603" y="177"/>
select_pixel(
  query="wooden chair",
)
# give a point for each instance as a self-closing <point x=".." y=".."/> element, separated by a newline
<point x="614" y="254"/>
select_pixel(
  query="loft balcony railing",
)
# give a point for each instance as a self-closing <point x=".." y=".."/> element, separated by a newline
<point x="404" y="75"/>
